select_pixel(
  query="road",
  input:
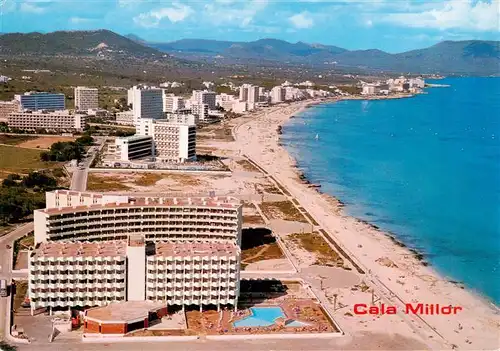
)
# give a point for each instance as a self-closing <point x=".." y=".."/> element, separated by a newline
<point x="79" y="178"/>
<point x="6" y="271"/>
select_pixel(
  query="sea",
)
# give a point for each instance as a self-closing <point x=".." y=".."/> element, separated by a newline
<point x="426" y="169"/>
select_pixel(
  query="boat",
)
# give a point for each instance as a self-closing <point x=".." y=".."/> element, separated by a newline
<point x="316" y="137"/>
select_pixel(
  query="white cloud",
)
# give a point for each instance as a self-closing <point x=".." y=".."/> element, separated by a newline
<point x="176" y="13"/>
<point x="302" y="20"/>
<point x="31" y="8"/>
<point x="79" y="20"/>
<point x="225" y="12"/>
<point x="452" y="14"/>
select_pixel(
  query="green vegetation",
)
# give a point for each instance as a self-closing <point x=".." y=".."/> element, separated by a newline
<point x="67" y="150"/>
<point x="316" y="244"/>
<point x="6" y="347"/>
<point x="16" y="159"/>
<point x="19" y="196"/>
<point x="14" y="139"/>
<point x="282" y="210"/>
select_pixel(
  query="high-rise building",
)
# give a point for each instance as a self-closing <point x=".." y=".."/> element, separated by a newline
<point x="172" y="103"/>
<point x="253" y="94"/>
<point x="278" y="94"/>
<point x="173" y="141"/>
<point x="86" y="99"/>
<point x="41" y="101"/>
<point x="200" y="111"/>
<point x="121" y="248"/>
<point x="59" y="121"/>
<point x="204" y="97"/>
<point x="146" y="102"/>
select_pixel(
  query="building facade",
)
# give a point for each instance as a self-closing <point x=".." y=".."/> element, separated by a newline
<point x="59" y="121"/>
<point x="216" y="219"/>
<point x="125" y="118"/>
<point x="6" y="108"/>
<point x="134" y="147"/>
<point x="146" y="103"/>
<point x="86" y="98"/>
<point x="174" y="142"/>
<point x="278" y="94"/>
<point x="204" y="97"/>
<point x="41" y="101"/>
<point x="200" y="111"/>
<point x="172" y="103"/>
<point x="94" y="249"/>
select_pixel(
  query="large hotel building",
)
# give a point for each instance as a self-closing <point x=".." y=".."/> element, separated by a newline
<point x="94" y="249"/>
<point x="60" y="121"/>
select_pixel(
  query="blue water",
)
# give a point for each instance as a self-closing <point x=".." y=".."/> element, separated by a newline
<point x="425" y="168"/>
<point x="261" y="317"/>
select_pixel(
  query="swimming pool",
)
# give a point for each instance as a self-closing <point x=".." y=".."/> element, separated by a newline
<point x="264" y="317"/>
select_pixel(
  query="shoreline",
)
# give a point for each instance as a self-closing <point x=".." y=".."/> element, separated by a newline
<point x="435" y="287"/>
<point x="340" y="207"/>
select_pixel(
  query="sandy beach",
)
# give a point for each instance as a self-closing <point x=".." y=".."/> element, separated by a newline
<point x="396" y="274"/>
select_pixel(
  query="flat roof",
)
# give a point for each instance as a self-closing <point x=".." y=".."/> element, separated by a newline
<point x="222" y="202"/>
<point x="77" y="193"/>
<point x="165" y="249"/>
<point x="135" y="137"/>
<point x="123" y="312"/>
<point x="81" y="249"/>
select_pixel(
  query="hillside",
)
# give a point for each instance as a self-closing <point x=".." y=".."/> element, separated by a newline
<point x="473" y="57"/>
<point x="74" y="43"/>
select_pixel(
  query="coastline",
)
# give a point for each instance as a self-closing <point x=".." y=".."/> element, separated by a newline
<point x="354" y="234"/>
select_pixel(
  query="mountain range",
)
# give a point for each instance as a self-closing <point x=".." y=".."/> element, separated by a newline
<point x="471" y="57"/>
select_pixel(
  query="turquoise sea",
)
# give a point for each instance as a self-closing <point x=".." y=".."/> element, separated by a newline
<point x="426" y="169"/>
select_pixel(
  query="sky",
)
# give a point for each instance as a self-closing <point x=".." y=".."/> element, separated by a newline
<point x="389" y="25"/>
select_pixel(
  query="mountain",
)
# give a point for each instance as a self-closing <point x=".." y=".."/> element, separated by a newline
<point x="266" y="49"/>
<point x="74" y="43"/>
<point x="471" y="57"/>
<point x="135" y="38"/>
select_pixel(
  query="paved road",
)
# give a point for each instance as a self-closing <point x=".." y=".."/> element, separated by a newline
<point x="79" y="178"/>
<point x="6" y="270"/>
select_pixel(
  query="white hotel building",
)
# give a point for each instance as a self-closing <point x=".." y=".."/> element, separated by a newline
<point x="174" y="140"/>
<point x="93" y="249"/>
<point x="146" y="102"/>
<point x="86" y="99"/>
<point x="60" y="121"/>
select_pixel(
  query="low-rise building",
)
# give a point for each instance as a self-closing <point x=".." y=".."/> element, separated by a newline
<point x="125" y="118"/>
<point x="134" y="147"/>
<point x="59" y="121"/>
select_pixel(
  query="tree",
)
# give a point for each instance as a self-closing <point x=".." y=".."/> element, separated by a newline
<point x="45" y="156"/>
<point x="86" y="139"/>
<point x="40" y="181"/>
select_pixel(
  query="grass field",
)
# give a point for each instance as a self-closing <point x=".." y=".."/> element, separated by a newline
<point x="19" y="160"/>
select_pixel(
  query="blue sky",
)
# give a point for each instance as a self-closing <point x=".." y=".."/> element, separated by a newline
<point x="390" y="25"/>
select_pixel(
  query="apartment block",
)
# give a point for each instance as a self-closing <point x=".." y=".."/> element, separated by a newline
<point x="194" y="273"/>
<point x="6" y="108"/>
<point x="95" y="250"/>
<point x="174" y="142"/>
<point x="200" y="111"/>
<point x="59" y="121"/>
<point x="146" y="102"/>
<point x="86" y="98"/>
<point x="134" y="147"/>
<point x="204" y="97"/>
<point x="207" y="219"/>
<point x="278" y="94"/>
<point x="125" y="118"/>
<point x="41" y="101"/>
<point x="68" y="274"/>
<point x="172" y="103"/>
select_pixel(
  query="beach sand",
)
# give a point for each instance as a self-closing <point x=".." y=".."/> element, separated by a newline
<point x="393" y="272"/>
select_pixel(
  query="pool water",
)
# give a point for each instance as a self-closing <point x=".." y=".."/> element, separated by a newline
<point x="265" y="317"/>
